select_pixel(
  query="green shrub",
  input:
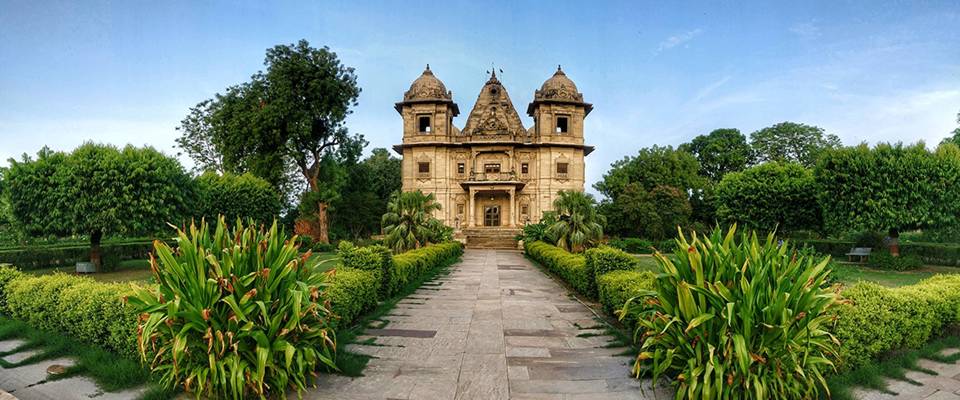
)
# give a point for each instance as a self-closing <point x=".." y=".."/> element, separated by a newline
<point x="933" y="253"/>
<point x="616" y="287"/>
<point x="237" y="196"/>
<point x="410" y="266"/>
<point x="89" y="311"/>
<point x="885" y="260"/>
<point x="633" y="245"/>
<point x="352" y="292"/>
<point x="236" y="313"/>
<point x="378" y="259"/>
<point x="737" y="318"/>
<point x="572" y="268"/>
<point x="320" y="247"/>
<point x="603" y="259"/>
<point x="769" y="196"/>
<point x="877" y="319"/>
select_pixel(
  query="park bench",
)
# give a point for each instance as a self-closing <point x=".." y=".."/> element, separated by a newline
<point x="862" y="252"/>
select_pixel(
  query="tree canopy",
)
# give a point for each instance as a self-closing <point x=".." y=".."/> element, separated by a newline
<point x="792" y="142"/>
<point x="720" y="152"/>
<point x="289" y="116"/>
<point x="652" y="167"/>
<point x="954" y="135"/>
<point x="98" y="189"/>
<point x="889" y="186"/>
<point x="363" y="199"/>
<point x="768" y="196"/>
<point x="578" y="225"/>
<point x="237" y="196"/>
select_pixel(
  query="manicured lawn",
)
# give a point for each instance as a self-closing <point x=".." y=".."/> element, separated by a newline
<point x="139" y="270"/>
<point x="849" y="273"/>
<point x="853" y="273"/>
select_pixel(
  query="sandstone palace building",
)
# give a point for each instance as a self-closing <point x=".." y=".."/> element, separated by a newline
<point x="494" y="175"/>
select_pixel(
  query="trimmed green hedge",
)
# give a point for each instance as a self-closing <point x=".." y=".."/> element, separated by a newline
<point x="572" y="268"/>
<point x="616" y="287"/>
<point x="411" y="265"/>
<point x="603" y="259"/>
<point x="370" y="258"/>
<point x="352" y="292"/>
<point x="885" y="260"/>
<point x="632" y="245"/>
<point x="946" y="254"/>
<point x="89" y="311"/>
<point x="879" y="319"/>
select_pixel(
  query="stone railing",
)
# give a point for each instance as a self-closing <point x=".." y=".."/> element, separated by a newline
<point x="493" y="176"/>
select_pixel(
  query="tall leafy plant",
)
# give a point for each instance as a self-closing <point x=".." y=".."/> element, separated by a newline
<point x="578" y="224"/>
<point x="235" y="313"/>
<point x="737" y="318"/>
<point x="409" y="222"/>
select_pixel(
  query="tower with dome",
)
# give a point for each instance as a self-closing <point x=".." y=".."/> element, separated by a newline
<point x="494" y="175"/>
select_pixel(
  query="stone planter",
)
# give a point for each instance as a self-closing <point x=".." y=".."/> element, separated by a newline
<point x="86" y="267"/>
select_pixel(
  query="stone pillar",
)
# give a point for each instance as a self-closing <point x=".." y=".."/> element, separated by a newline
<point x="513" y="207"/>
<point x="470" y="208"/>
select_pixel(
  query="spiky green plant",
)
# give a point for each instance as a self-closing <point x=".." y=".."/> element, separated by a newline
<point x="578" y="225"/>
<point x="236" y="314"/>
<point x="737" y="318"/>
<point x="409" y="222"/>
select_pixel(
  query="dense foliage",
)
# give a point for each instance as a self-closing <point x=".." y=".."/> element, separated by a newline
<point x="236" y="313"/>
<point x="721" y="152"/>
<point x="769" y="196"/>
<point x="737" y="317"/>
<point x="889" y="186"/>
<point x="363" y="199"/>
<point x="635" y="187"/>
<point x="409" y="222"/>
<point x="237" y="196"/>
<point x="88" y="311"/>
<point x="876" y="319"/>
<point x="792" y="143"/>
<point x="97" y="190"/>
<point x="578" y="225"/>
<point x="288" y="117"/>
<point x="885" y="260"/>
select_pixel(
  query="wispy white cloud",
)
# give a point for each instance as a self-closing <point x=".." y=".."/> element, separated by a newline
<point x="806" y="30"/>
<point x="709" y="89"/>
<point x="676" y="40"/>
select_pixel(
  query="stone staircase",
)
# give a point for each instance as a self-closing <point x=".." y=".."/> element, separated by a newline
<point x="491" y="238"/>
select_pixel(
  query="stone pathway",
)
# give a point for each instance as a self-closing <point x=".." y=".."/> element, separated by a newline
<point x="494" y="328"/>
<point x="29" y="382"/>
<point x="943" y="386"/>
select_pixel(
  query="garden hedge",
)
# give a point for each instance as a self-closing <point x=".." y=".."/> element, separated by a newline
<point x="946" y="254"/>
<point x="572" y="268"/>
<point x="603" y="259"/>
<point x="633" y="245"/>
<point x="879" y="319"/>
<point x="412" y="265"/>
<point x="89" y="311"/>
<point x="352" y="292"/>
<point x="616" y="287"/>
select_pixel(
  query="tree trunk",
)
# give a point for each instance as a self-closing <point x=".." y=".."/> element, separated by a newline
<point x="322" y="223"/>
<point x="95" y="256"/>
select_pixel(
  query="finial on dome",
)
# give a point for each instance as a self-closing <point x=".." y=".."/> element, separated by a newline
<point x="428" y="67"/>
<point x="558" y="67"/>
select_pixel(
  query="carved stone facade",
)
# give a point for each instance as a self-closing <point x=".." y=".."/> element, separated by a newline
<point x="494" y="173"/>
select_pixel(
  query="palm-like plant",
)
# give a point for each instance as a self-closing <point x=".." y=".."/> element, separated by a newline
<point x="235" y="314"/>
<point x="409" y="222"/>
<point x="578" y="224"/>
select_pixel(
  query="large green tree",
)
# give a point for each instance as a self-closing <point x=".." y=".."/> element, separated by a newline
<point x="290" y="115"/>
<point x="237" y="196"/>
<point x="792" y="142"/>
<point x="652" y="168"/>
<point x="97" y="190"/>
<point x="889" y="186"/>
<point x="363" y="199"/>
<point x="652" y="214"/>
<point x="770" y="196"/>
<point x="720" y="152"/>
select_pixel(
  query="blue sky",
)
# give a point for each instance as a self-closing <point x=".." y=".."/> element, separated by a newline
<point x="657" y="73"/>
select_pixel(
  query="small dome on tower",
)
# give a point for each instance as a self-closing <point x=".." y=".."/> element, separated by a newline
<point x="559" y="87"/>
<point x="427" y="87"/>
